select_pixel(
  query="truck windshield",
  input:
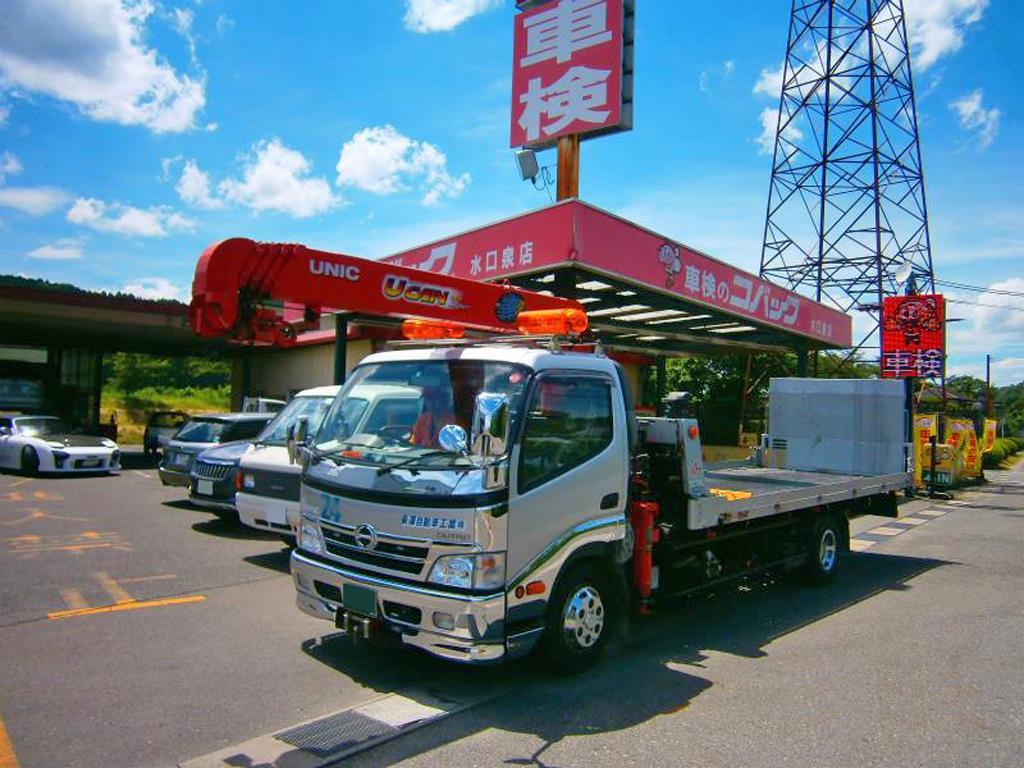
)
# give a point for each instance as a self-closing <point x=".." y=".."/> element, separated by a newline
<point x="392" y="412"/>
<point x="312" y="408"/>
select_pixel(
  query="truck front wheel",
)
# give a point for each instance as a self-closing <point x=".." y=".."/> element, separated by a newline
<point x="825" y="549"/>
<point x="580" y="618"/>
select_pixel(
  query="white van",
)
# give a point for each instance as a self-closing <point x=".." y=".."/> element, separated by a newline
<point x="268" y="484"/>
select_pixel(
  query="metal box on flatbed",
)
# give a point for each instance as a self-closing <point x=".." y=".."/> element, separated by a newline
<point x="846" y="426"/>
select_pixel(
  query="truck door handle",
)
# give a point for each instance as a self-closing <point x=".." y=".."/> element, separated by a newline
<point x="611" y="501"/>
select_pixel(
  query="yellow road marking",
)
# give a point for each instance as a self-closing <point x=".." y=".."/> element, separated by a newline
<point x="74" y="600"/>
<point x="161" y="577"/>
<point x="38" y="514"/>
<point x="132" y="606"/>
<point x="7" y="757"/>
<point x="112" y="588"/>
<point x="886" y="531"/>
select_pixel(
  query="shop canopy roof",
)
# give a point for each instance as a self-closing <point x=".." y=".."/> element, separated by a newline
<point x="643" y="292"/>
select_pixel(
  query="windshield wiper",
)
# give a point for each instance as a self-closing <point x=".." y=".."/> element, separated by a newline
<point x="414" y="459"/>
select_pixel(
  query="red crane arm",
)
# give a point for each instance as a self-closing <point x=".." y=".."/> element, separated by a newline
<point x="236" y="279"/>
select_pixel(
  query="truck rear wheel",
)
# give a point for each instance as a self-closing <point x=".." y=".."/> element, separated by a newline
<point x="581" y="616"/>
<point x="825" y="550"/>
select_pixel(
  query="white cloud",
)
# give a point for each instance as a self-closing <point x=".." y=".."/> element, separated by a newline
<point x="769" y="82"/>
<point x="990" y="322"/>
<point x="194" y="188"/>
<point x="36" y="201"/>
<point x="769" y="123"/>
<point x="167" y="164"/>
<point x="127" y="220"/>
<point x="9" y="165"/>
<point x="155" y="288"/>
<point x="725" y="71"/>
<point x="276" y="178"/>
<point x="224" y="23"/>
<point x="33" y="200"/>
<point x="64" y="249"/>
<point x="94" y="55"/>
<point x="936" y="27"/>
<point x="182" y="19"/>
<point x="972" y="116"/>
<point x="443" y="15"/>
<point x="382" y="161"/>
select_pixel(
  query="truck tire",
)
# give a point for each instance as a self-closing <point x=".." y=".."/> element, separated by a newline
<point x="29" y="461"/>
<point x="581" y="616"/>
<point x="824" y="550"/>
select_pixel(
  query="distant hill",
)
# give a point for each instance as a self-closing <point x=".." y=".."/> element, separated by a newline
<point x="17" y="281"/>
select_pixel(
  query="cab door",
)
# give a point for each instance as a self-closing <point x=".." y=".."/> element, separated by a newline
<point x="570" y="466"/>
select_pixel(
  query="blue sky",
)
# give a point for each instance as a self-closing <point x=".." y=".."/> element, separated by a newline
<point x="133" y="133"/>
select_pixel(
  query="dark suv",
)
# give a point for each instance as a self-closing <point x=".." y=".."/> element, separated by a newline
<point x="160" y="428"/>
<point x="202" y="432"/>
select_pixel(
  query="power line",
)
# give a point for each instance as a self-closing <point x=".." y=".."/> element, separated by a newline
<point x="989" y="306"/>
<point x="979" y="289"/>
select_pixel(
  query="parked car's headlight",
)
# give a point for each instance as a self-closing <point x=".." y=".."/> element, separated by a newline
<point x="480" y="571"/>
<point x="310" y="538"/>
<point x="311" y="502"/>
<point x="55" y="444"/>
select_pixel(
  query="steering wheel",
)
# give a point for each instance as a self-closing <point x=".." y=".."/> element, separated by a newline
<point x="394" y="434"/>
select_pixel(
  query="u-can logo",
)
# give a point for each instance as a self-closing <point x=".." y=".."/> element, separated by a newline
<point x="397" y="288"/>
<point x="348" y="272"/>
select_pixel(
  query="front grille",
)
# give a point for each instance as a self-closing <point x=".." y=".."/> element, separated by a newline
<point x="210" y="471"/>
<point x="275" y="485"/>
<point x="390" y="553"/>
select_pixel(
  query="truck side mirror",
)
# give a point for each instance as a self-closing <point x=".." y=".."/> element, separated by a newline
<point x="491" y="424"/>
<point x="298" y="433"/>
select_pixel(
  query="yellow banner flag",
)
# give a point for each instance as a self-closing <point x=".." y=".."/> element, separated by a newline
<point x="990" y="435"/>
<point x="925" y="425"/>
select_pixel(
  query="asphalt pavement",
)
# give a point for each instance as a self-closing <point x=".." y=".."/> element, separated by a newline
<point x="137" y="631"/>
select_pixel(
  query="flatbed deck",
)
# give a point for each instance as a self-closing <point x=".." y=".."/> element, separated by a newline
<point x="751" y="492"/>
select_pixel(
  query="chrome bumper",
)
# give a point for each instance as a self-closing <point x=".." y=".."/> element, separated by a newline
<point x="479" y="633"/>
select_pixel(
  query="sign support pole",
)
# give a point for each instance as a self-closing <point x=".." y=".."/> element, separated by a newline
<point x="568" y="166"/>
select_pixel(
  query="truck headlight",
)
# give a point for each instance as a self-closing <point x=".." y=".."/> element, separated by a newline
<point x="310" y="538"/>
<point x="481" y="571"/>
<point x="248" y="480"/>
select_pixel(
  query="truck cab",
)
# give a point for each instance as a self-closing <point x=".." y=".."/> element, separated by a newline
<point x="457" y="547"/>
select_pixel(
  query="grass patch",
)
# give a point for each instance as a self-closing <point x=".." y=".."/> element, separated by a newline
<point x="133" y="408"/>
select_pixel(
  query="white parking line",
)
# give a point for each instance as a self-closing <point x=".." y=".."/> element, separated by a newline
<point x="142" y="474"/>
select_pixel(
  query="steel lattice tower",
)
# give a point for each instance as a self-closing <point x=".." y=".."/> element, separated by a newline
<point x="847" y="205"/>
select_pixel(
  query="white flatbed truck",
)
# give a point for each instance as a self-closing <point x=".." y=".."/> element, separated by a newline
<point x="559" y="513"/>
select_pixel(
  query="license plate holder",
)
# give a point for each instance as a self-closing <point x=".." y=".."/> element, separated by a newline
<point x="360" y="600"/>
<point x="204" y="487"/>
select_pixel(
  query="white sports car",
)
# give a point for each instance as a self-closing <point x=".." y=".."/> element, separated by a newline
<point x="44" y="444"/>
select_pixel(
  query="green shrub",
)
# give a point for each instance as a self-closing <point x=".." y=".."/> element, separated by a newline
<point x="994" y="458"/>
